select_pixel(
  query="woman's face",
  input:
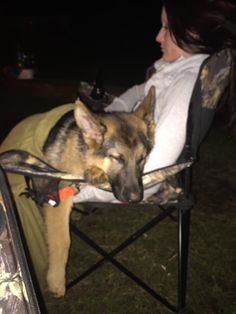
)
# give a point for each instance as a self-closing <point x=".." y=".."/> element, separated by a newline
<point x="170" y="50"/>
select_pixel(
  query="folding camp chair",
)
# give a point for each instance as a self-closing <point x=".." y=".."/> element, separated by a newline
<point x="210" y="86"/>
<point x="209" y="89"/>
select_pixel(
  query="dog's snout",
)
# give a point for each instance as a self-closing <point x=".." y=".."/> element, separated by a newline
<point x="126" y="196"/>
<point x="128" y="190"/>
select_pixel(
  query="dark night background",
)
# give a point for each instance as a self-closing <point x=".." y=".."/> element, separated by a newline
<point x="118" y="39"/>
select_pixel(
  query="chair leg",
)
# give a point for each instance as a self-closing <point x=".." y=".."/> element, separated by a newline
<point x="184" y="228"/>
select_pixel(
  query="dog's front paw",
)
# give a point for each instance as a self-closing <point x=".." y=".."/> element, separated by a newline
<point x="95" y="176"/>
<point x="56" y="285"/>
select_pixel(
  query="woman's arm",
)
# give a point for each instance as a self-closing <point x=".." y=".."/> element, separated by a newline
<point x="127" y="100"/>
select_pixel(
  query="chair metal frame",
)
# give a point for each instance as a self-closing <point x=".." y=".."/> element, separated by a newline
<point x="183" y="236"/>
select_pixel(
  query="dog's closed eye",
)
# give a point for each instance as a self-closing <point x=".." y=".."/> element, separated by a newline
<point x="141" y="159"/>
<point x="118" y="158"/>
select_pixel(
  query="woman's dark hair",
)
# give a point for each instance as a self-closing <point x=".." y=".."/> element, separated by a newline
<point x="206" y="26"/>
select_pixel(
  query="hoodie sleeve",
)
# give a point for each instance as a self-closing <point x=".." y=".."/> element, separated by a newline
<point x="127" y="100"/>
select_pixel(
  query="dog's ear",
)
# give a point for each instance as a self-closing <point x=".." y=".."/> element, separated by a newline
<point x="89" y="124"/>
<point x="145" y="110"/>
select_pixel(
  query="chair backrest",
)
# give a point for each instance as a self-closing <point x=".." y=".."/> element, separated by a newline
<point x="212" y="81"/>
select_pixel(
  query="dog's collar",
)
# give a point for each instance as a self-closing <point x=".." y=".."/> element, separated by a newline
<point x="63" y="193"/>
<point x="67" y="191"/>
<point x="41" y="195"/>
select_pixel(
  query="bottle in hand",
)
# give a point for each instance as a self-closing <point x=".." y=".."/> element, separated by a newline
<point x="98" y="90"/>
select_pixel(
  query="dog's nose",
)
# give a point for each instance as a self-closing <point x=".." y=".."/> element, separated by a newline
<point x="135" y="197"/>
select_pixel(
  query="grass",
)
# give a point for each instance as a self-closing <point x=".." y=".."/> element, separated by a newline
<point x="212" y="252"/>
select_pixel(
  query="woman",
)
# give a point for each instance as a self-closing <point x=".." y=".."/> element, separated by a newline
<point x="189" y="33"/>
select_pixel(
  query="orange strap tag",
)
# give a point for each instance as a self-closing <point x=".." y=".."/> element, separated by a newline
<point x="66" y="192"/>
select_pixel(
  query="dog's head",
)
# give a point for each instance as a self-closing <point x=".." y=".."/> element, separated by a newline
<point x="117" y="146"/>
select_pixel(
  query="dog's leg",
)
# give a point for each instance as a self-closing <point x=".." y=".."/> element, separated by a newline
<point x="58" y="238"/>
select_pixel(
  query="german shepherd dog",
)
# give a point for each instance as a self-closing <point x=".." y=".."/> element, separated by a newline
<point x="101" y="147"/>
